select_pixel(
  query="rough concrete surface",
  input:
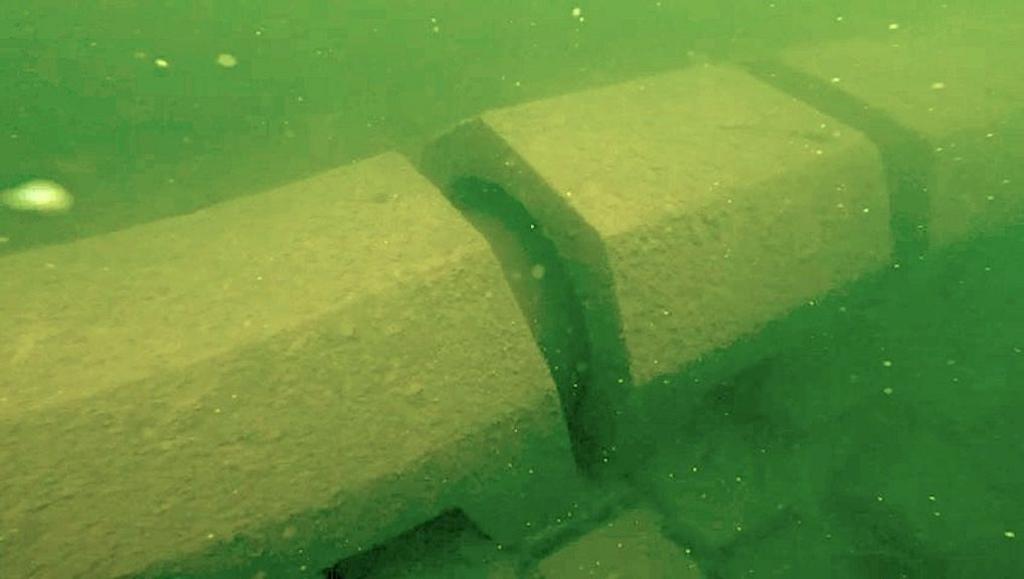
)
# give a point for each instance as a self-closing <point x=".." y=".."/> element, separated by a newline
<point x="942" y="81"/>
<point x="692" y="207"/>
<point x="342" y="352"/>
<point x="630" y="545"/>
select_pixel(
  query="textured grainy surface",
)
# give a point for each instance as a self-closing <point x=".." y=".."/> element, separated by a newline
<point x="698" y="204"/>
<point x="947" y="82"/>
<point x="630" y="545"/>
<point x="890" y="435"/>
<point x="169" y="386"/>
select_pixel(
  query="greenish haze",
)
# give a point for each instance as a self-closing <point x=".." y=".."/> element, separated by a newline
<point x="317" y="84"/>
<point x="146" y="110"/>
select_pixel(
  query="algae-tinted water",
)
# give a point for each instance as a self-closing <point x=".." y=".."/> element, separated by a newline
<point x="130" y="105"/>
<point x="151" y="109"/>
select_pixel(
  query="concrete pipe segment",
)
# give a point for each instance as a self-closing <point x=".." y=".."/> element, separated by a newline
<point x="267" y="386"/>
<point x="324" y="364"/>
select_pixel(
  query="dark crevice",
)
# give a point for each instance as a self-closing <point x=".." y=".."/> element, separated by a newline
<point x="572" y="308"/>
<point x="907" y="158"/>
<point x="544" y="292"/>
<point x="447" y="538"/>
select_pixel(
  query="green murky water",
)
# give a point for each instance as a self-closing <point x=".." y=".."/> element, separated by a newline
<point x="131" y="107"/>
<point x="144" y="110"/>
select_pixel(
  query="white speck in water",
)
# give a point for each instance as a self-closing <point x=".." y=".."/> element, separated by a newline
<point x="1010" y="534"/>
<point x="577" y="12"/>
<point x="39" y="196"/>
<point x="161" y="63"/>
<point x="227" y="60"/>
<point x="887" y="363"/>
<point x="537" y="271"/>
<point x="894" y="26"/>
<point x="938" y="85"/>
<point x="887" y="391"/>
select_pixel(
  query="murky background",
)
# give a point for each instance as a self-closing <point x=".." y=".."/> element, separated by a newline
<point x="149" y="109"/>
<point x="142" y="110"/>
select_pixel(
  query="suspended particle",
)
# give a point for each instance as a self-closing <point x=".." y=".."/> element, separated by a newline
<point x="227" y="60"/>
